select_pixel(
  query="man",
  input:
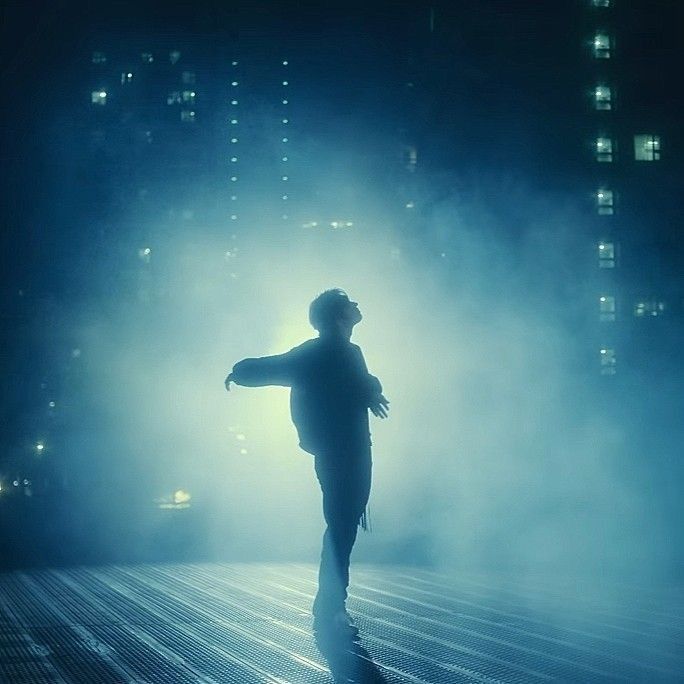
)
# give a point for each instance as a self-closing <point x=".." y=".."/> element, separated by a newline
<point x="332" y="391"/>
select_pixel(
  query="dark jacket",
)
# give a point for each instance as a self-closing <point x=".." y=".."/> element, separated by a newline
<point x="331" y="391"/>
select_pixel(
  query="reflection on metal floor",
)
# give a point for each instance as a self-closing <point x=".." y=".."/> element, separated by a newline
<point x="246" y="623"/>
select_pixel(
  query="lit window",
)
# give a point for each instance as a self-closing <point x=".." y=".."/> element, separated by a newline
<point x="98" y="97"/>
<point x="606" y="308"/>
<point x="234" y="84"/>
<point x="233" y="140"/>
<point x="410" y="154"/>
<point x="233" y="102"/>
<point x="145" y="254"/>
<point x="173" y="98"/>
<point x="647" y="147"/>
<point x="284" y="178"/>
<point x="285" y="140"/>
<point x="285" y="83"/>
<point x="188" y="77"/>
<point x="234" y="62"/>
<point x="602" y="46"/>
<point x="284" y="159"/>
<point x="233" y="217"/>
<point x="605" y="202"/>
<point x="285" y="197"/>
<point x="188" y="96"/>
<point x="174" y="56"/>
<point x="187" y="115"/>
<point x="233" y="122"/>
<point x="285" y="101"/>
<point x="608" y="361"/>
<point x="648" y="306"/>
<point x="147" y="57"/>
<point x="233" y="179"/>
<point x="285" y="63"/>
<point x="126" y="77"/>
<point x="606" y="254"/>
<point x="233" y="159"/>
<point x="603" y="149"/>
<point x="601" y="3"/>
<point x="99" y="58"/>
<point x="603" y="97"/>
<point x="410" y="204"/>
<point x="286" y="121"/>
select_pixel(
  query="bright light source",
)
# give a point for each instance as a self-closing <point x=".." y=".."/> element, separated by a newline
<point x="52" y="404"/>
<point x="286" y="121"/>
<point x="602" y="299"/>
<point x="233" y="121"/>
<point x="233" y="179"/>
<point x="181" y="496"/>
<point x="233" y="159"/>
<point x="40" y="446"/>
<point x="234" y="83"/>
<point x="284" y="178"/>
<point x="285" y="101"/>
<point x="285" y="140"/>
<point x="233" y="102"/>
<point x="234" y="63"/>
<point x="233" y="140"/>
<point x="285" y="63"/>
<point x="285" y="83"/>
<point x="284" y="158"/>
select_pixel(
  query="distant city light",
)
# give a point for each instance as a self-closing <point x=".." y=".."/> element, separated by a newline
<point x="233" y="102"/>
<point x="284" y="159"/>
<point x="233" y="178"/>
<point x="410" y="205"/>
<point x="181" y="496"/>
<point x="285" y="178"/>
<point x="602" y="299"/>
<point x="286" y="121"/>
<point x="233" y="217"/>
<point x="233" y="198"/>
<point x="240" y="437"/>
<point x="75" y="353"/>
<point x="285" y="101"/>
<point x="285" y="197"/>
<point x="233" y="140"/>
<point x="234" y="63"/>
<point x="285" y="140"/>
<point x="243" y="451"/>
<point x="234" y="83"/>
<point x="233" y="159"/>
<point x="233" y="121"/>
<point x="52" y="404"/>
<point x="40" y="446"/>
<point x="285" y="83"/>
<point x="285" y="63"/>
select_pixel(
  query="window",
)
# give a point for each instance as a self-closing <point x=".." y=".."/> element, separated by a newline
<point x="98" y="97"/>
<point x="603" y="97"/>
<point x="646" y="147"/>
<point x="188" y="96"/>
<point x="604" y="149"/>
<point x="187" y="115"/>
<point x="606" y="254"/>
<point x="126" y="77"/>
<point x="99" y="58"/>
<point x="648" y="306"/>
<point x="147" y="57"/>
<point x="606" y="308"/>
<point x="608" y="361"/>
<point x="173" y="98"/>
<point x="605" y="202"/>
<point x="188" y="77"/>
<point x="602" y="45"/>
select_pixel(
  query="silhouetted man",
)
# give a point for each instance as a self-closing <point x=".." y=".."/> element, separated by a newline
<point x="332" y="391"/>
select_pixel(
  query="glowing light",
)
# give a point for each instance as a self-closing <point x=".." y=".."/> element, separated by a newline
<point x="233" y="102"/>
<point x="40" y="446"/>
<point x="602" y="246"/>
<point x="285" y="83"/>
<point x="233" y="198"/>
<point x="233" y="217"/>
<point x="285" y="140"/>
<point x="243" y="451"/>
<point x="102" y="93"/>
<point x="286" y="121"/>
<point x="285" y="63"/>
<point x="233" y="140"/>
<point x="233" y="121"/>
<point x="285" y="178"/>
<point x="16" y="483"/>
<point x="233" y="179"/>
<point x="52" y="404"/>
<point x="285" y="101"/>
<point x="233" y="159"/>
<point x="602" y="299"/>
<point x="410" y="205"/>
<point x="181" y="496"/>
<point x="285" y="197"/>
<point x="234" y="63"/>
<point x="75" y="353"/>
<point x="285" y="159"/>
<point x="234" y="83"/>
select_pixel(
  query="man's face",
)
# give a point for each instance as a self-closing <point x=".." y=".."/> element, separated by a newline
<point x="350" y="313"/>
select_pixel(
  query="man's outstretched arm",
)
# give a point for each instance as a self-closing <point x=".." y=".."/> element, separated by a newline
<point x="377" y="402"/>
<point x="263" y="371"/>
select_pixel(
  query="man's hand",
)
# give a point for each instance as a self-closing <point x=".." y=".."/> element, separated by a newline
<point x="228" y="380"/>
<point x="379" y="405"/>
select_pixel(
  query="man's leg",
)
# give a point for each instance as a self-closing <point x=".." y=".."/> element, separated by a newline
<point x="346" y="486"/>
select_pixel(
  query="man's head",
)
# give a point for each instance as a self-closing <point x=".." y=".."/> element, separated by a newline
<point x="332" y="311"/>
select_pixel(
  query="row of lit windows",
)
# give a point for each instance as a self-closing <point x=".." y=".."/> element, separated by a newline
<point x="147" y="58"/>
<point x="642" y="308"/>
<point x="646" y="148"/>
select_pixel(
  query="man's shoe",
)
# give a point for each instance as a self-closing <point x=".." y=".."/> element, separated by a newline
<point x="339" y="623"/>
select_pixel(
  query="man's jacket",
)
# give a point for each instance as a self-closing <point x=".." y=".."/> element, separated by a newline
<point x="331" y="391"/>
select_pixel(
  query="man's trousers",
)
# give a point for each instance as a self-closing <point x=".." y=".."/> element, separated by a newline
<point x="345" y="479"/>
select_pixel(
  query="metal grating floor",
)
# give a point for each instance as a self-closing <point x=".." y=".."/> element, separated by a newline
<point x="243" y="623"/>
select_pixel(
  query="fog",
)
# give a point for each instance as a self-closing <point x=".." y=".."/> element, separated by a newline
<point x="501" y="452"/>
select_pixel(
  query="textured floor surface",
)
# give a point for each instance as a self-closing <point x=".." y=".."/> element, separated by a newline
<point x="243" y="623"/>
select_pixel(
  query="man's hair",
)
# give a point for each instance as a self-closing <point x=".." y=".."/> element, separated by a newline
<point x="326" y="308"/>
